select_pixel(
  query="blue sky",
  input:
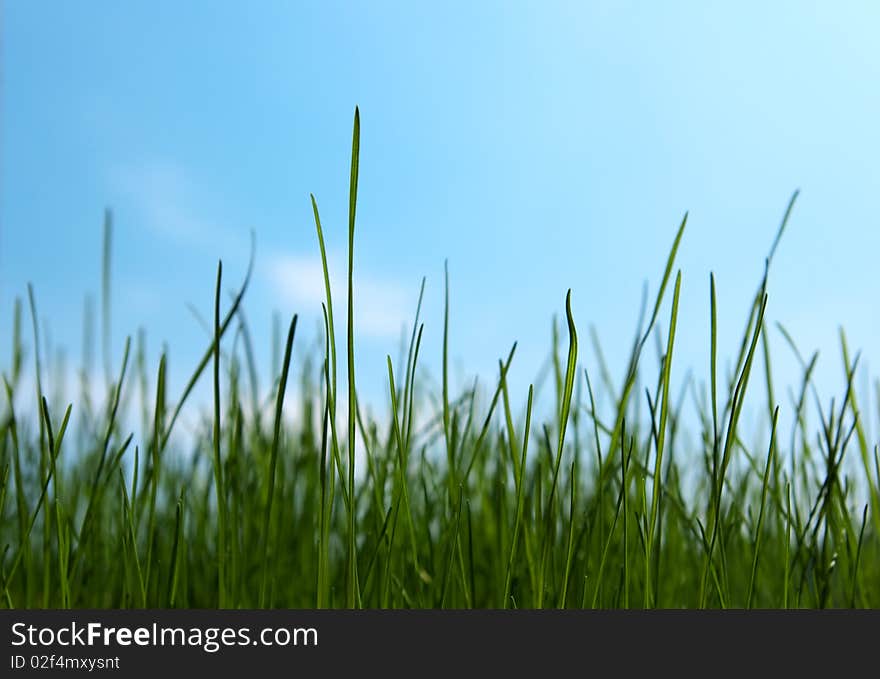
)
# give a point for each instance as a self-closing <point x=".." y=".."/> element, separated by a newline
<point x="537" y="146"/>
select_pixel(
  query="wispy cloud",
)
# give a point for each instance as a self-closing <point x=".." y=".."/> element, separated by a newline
<point x="168" y="201"/>
<point x="382" y="306"/>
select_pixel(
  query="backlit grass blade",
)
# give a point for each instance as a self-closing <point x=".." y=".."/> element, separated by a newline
<point x="873" y="484"/>
<point x="478" y="445"/>
<point x="737" y="400"/>
<point x="570" y="372"/>
<point x="175" y="554"/>
<point x="520" y="495"/>
<point x="760" y="524"/>
<point x="352" y="394"/>
<point x="218" y="465"/>
<point x="632" y="369"/>
<point x="209" y="353"/>
<point x="273" y="460"/>
<point x="661" y="439"/>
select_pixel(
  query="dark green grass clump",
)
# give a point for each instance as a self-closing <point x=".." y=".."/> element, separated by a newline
<point x="448" y="500"/>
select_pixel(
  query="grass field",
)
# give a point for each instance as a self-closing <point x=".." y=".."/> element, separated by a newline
<point x="461" y="499"/>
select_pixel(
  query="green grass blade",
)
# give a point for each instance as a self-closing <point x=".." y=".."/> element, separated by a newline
<point x="273" y="460"/>
<point x="352" y="527"/>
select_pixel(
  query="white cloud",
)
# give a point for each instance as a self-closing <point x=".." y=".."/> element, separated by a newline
<point x="168" y="202"/>
<point x="382" y="306"/>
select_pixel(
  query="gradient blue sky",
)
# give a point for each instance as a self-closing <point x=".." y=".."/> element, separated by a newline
<point x="537" y="146"/>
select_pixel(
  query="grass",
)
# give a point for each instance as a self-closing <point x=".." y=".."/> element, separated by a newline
<point x="463" y="500"/>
